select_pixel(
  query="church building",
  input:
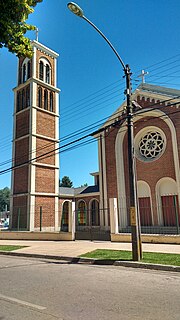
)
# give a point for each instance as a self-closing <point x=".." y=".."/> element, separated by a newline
<point x="157" y="152"/>
<point x="101" y="210"/>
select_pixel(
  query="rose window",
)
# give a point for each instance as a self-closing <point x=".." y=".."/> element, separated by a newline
<point x="151" y="145"/>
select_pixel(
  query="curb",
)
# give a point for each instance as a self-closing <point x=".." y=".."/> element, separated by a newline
<point x="77" y="260"/>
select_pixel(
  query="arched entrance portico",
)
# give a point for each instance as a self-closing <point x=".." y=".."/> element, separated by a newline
<point x="88" y="226"/>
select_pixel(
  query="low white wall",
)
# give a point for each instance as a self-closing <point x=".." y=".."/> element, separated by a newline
<point x="147" y="238"/>
<point x="25" y="235"/>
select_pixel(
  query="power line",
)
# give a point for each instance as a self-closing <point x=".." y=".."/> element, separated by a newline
<point x="49" y="154"/>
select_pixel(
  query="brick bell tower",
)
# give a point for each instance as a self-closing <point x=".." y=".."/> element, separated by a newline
<point x="35" y="178"/>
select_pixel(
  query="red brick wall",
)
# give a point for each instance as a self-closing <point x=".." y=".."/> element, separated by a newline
<point x="22" y="124"/>
<point x="45" y="178"/>
<point x="43" y="147"/>
<point x="19" y="205"/>
<point x="48" y="211"/>
<point x="45" y="124"/>
<point x="21" y="179"/>
<point x="21" y="151"/>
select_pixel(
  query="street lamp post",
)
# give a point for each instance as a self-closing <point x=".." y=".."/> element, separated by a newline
<point x="134" y="214"/>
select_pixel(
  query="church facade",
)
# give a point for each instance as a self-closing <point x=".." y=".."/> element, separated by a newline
<point x="37" y="203"/>
<point x="157" y="151"/>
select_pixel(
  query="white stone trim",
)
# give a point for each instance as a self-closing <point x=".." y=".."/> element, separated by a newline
<point x="45" y="165"/>
<point x="120" y="176"/>
<point x="44" y="49"/>
<point x="55" y="72"/>
<point x="56" y="218"/>
<point x="57" y="104"/>
<point x="45" y="137"/>
<point x="31" y="212"/>
<point x="113" y="208"/>
<point x="37" y="81"/>
<point x="44" y="194"/>
<point x="102" y="172"/>
<point x="46" y="85"/>
<point x="20" y="194"/>
<point x="34" y="63"/>
<point x="13" y="157"/>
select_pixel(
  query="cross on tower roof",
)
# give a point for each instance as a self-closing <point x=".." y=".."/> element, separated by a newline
<point x="142" y="75"/>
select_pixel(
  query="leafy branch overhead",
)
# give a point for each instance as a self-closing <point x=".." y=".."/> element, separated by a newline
<point x="13" y="26"/>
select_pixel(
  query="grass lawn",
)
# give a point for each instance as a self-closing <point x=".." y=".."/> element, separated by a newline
<point x="10" y="248"/>
<point x="148" y="257"/>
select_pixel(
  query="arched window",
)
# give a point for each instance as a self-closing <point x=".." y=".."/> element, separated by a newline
<point x="144" y="199"/>
<point x="45" y="99"/>
<point x="41" y="70"/>
<point x="24" y="72"/>
<point x="40" y="97"/>
<point x="44" y="70"/>
<point x="51" y="101"/>
<point x="27" y="96"/>
<point x="28" y="69"/>
<point x="168" y="202"/>
<point x="47" y="80"/>
<point x="65" y="216"/>
<point x="95" y="221"/>
<point x="81" y="214"/>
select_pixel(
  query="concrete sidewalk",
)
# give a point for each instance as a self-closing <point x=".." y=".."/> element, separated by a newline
<point x="78" y="247"/>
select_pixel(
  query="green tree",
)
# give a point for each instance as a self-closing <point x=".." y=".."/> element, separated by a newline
<point x="13" y="14"/>
<point x="66" y="182"/>
<point x="4" y="198"/>
<point x="84" y="185"/>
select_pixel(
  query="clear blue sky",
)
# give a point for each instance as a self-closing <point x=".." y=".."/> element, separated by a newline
<point x="145" y="33"/>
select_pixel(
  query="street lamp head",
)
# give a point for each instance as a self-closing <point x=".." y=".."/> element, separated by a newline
<point x="74" y="8"/>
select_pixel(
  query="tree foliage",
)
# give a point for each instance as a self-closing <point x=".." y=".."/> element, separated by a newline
<point x="66" y="182"/>
<point x="13" y="14"/>
<point x="4" y="198"/>
<point x="84" y="185"/>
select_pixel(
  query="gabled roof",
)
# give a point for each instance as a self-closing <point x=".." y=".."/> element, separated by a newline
<point x="90" y="189"/>
<point x="72" y="192"/>
<point x="147" y="90"/>
<point x="158" y="90"/>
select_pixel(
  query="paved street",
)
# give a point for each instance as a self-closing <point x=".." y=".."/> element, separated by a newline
<point x="47" y="290"/>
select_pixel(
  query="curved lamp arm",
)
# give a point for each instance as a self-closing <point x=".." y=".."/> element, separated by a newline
<point x="74" y="8"/>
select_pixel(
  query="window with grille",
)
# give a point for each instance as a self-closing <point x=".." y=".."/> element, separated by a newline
<point x="51" y="102"/>
<point x="41" y="70"/>
<point x="45" y="99"/>
<point x="40" y="97"/>
<point x="47" y="80"/>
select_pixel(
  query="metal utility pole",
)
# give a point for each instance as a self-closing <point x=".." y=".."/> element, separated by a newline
<point x="134" y="213"/>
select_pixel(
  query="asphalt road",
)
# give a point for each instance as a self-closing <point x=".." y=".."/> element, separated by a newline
<point x="49" y="290"/>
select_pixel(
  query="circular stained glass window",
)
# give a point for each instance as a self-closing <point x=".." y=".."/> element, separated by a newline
<point x="151" y="145"/>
